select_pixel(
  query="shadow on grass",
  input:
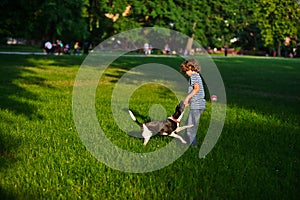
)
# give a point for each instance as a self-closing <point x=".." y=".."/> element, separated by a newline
<point x="18" y="98"/>
<point x="14" y="97"/>
<point x="8" y="144"/>
<point x="5" y="195"/>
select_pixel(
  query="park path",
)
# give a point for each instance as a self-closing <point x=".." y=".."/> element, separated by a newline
<point x="21" y="53"/>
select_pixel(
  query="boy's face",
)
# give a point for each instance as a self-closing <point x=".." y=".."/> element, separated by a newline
<point x="189" y="73"/>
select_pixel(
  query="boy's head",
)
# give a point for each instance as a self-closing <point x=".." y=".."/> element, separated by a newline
<point x="191" y="64"/>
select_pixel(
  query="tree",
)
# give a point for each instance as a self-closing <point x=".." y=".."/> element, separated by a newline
<point x="229" y="21"/>
<point x="179" y="15"/>
<point x="55" y="19"/>
<point x="99" y="26"/>
<point x="43" y="20"/>
<point x="16" y="18"/>
<point x="277" y="20"/>
<point x="191" y="19"/>
<point x="252" y="24"/>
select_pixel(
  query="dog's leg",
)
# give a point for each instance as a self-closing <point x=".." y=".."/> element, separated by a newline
<point x="179" y="118"/>
<point x="146" y="140"/>
<point x="146" y="134"/>
<point x="178" y="129"/>
<point x="174" y="135"/>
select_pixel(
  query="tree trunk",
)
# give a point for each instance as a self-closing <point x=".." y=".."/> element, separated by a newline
<point x="189" y="44"/>
<point x="279" y="49"/>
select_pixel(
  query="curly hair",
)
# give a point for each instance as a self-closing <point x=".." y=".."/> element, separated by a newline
<point x="191" y="64"/>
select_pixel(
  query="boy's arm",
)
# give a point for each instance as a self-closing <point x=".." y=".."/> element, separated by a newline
<point x="196" y="89"/>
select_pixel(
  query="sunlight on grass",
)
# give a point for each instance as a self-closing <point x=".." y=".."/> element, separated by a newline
<point x="43" y="157"/>
<point x="40" y="62"/>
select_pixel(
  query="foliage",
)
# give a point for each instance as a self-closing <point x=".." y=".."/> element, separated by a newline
<point x="277" y="20"/>
<point x="43" y="20"/>
<point x="247" y="24"/>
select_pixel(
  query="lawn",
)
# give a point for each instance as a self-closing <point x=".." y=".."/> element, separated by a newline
<point x="43" y="157"/>
<point x="21" y="48"/>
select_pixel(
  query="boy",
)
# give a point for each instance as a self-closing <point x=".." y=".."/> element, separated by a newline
<point x="195" y="98"/>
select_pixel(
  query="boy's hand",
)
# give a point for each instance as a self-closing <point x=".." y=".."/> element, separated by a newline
<point x="186" y="102"/>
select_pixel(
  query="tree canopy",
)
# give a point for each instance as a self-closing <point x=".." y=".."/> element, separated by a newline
<point x="278" y="20"/>
<point x="249" y="24"/>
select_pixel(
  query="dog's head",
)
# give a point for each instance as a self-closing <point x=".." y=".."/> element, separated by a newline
<point x="179" y="110"/>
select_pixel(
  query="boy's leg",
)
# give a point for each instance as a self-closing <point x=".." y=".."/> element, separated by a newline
<point x="193" y="118"/>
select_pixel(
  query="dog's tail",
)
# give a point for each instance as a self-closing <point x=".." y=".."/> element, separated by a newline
<point x="134" y="118"/>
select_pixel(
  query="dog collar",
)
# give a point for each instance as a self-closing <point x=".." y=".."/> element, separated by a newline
<point x="175" y="120"/>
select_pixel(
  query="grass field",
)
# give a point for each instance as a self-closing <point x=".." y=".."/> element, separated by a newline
<point x="42" y="156"/>
<point x="20" y="48"/>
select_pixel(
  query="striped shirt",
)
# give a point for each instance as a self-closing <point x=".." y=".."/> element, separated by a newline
<point x="197" y="101"/>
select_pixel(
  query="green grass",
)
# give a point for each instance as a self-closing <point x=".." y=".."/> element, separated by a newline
<point x="20" y="48"/>
<point x="42" y="156"/>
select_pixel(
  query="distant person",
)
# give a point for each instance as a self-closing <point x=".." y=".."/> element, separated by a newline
<point x="226" y="50"/>
<point x="76" y="48"/>
<point x="67" y="49"/>
<point x="146" y="48"/>
<point x="150" y="49"/>
<point x="59" y="47"/>
<point x="167" y="49"/>
<point x="86" y="45"/>
<point x="48" y="47"/>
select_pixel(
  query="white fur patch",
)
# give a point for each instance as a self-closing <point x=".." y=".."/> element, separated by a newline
<point x="179" y="118"/>
<point x="146" y="134"/>
<point x="132" y="115"/>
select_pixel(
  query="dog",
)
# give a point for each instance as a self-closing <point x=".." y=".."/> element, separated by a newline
<point x="169" y="127"/>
